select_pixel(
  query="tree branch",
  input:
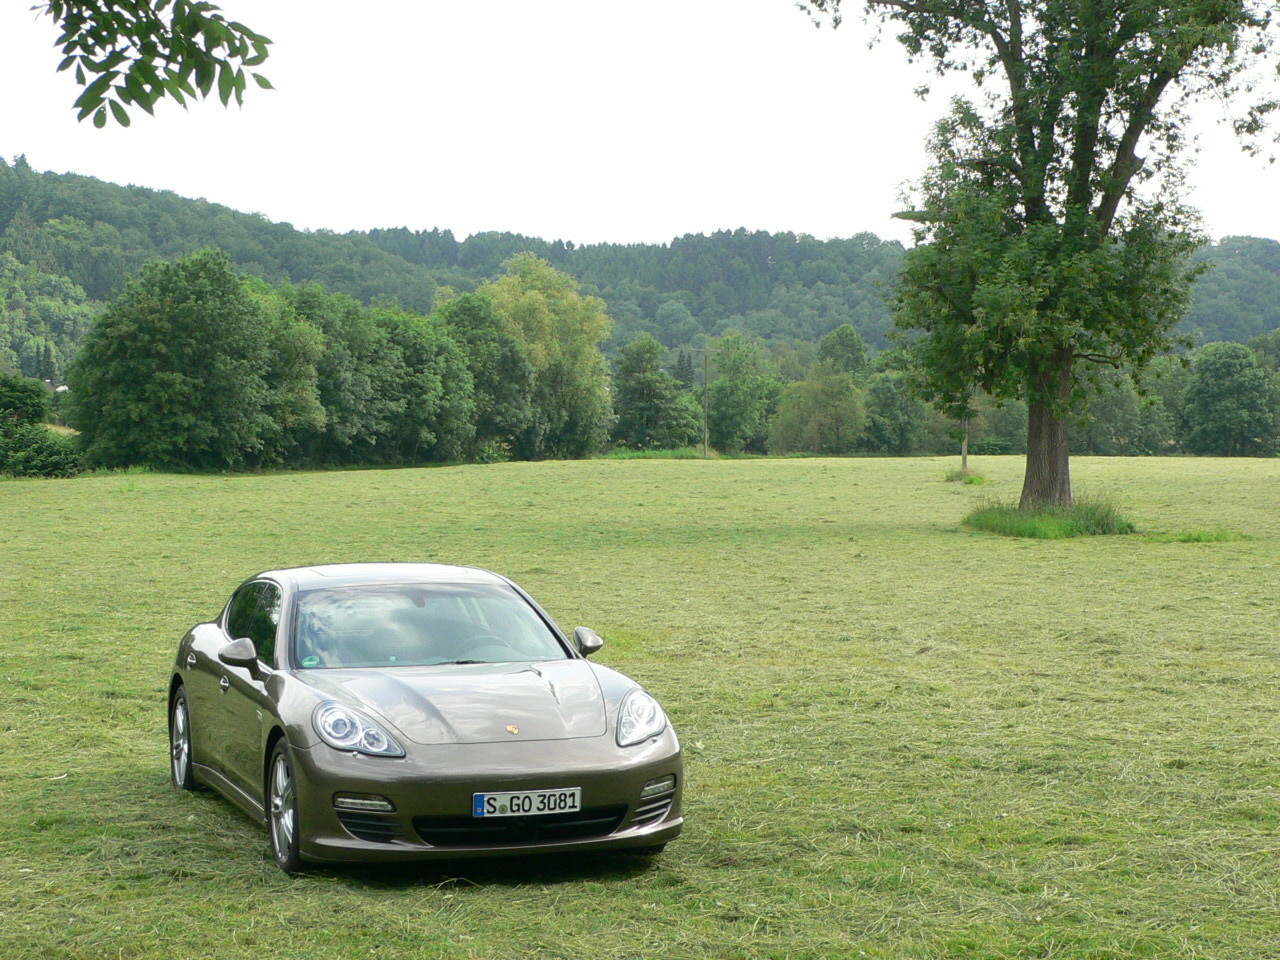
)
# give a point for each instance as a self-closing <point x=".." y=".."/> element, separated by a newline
<point x="1104" y="358"/>
<point x="1127" y="163"/>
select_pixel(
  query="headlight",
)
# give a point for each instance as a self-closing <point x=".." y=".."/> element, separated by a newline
<point x="639" y="719"/>
<point x="343" y="728"/>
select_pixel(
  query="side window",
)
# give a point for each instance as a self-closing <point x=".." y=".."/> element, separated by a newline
<point x="243" y="604"/>
<point x="266" y="618"/>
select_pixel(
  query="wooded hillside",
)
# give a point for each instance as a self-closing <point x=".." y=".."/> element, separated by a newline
<point x="68" y="242"/>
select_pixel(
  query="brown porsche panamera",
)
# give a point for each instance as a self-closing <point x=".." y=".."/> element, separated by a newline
<point x="400" y="711"/>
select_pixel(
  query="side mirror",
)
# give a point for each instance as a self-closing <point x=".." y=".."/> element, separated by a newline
<point x="240" y="653"/>
<point x="588" y="640"/>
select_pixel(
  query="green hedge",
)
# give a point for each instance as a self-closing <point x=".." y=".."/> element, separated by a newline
<point x="33" y="450"/>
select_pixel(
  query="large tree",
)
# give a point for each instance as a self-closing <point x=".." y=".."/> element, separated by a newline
<point x="1232" y="403"/>
<point x="128" y="53"/>
<point x="500" y="371"/>
<point x="654" y="413"/>
<point x="172" y="375"/>
<point x="825" y="413"/>
<point x="1051" y="242"/>
<point x="742" y="400"/>
<point x="560" y="330"/>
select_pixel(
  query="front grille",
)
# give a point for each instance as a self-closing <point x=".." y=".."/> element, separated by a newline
<point x="374" y="827"/>
<point x="651" y="811"/>
<point x="518" y="831"/>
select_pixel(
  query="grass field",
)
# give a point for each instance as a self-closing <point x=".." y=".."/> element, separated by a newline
<point x="903" y="738"/>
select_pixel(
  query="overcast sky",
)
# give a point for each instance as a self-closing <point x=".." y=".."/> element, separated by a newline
<point x="585" y="120"/>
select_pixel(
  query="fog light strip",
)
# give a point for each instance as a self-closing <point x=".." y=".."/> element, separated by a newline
<point x="655" y="787"/>
<point x="380" y="804"/>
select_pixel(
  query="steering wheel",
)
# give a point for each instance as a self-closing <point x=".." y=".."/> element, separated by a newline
<point x="482" y="646"/>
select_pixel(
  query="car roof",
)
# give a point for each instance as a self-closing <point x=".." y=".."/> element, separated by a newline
<point x="352" y="574"/>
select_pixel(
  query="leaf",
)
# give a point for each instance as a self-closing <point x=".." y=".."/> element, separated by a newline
<point x="226" y="83"/>
<point x="98" y="88"/>
<point x="204" y="75"/>
<point x="107" y="63"/>
<point x="262" y="81"/>
<point x="121" y="114"/>
<point x="100" y="118"/>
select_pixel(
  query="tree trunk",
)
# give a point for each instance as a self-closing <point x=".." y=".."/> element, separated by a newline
<point x="964" y="448"/>
<point x="1047" y="482"/>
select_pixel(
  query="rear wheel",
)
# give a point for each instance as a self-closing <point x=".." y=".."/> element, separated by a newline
<point x="282" y="809"/>
<point x="180" y="742"/>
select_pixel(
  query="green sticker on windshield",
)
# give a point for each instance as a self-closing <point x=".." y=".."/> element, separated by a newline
<point x="311" y="661"/>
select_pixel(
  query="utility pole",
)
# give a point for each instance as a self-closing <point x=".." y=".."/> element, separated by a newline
<point x="705" y="405"/>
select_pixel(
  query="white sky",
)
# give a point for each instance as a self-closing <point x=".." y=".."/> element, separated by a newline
<point x="585" y="120"/>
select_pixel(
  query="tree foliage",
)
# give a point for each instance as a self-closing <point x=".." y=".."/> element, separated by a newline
<point x="172" y="375"/>
<point x="128" y="53"/>
<point x="1231" y="402"/>
<point x="653" y="411"/>
<point x="741" y="400"/>
<point x="434" y="415"/>
<point x="824" y="413"/>
<point x="501" y="372"/>
<point x="844" y="349"/>
<point x="895" y="416"/>
<point x="560" y="330"/>
<point x="42" y="319"/>
<point x="22" y="399"/>
<point x="292" y="412"/>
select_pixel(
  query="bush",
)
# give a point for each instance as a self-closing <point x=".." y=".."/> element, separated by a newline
<point x="1093" y="517"/>
<point x="33" y="450"/>
<point x="23" y="399"/>
<point x="966" y="477"/>
<point x="991" y="447"/>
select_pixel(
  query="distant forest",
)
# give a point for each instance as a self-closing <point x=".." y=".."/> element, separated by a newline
<point x="68" y="242"/>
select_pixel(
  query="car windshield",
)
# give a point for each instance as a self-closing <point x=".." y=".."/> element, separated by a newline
<point x="417" y="625"/>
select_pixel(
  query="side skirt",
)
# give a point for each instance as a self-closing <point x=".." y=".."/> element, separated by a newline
<point x="248" y="804"/>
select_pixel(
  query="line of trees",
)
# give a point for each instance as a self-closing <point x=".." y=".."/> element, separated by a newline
<point x="197" y="366"/>
<point x="1222" y="399"/>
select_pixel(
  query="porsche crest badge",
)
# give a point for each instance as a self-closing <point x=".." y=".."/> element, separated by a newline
<point x="512" y="729"/>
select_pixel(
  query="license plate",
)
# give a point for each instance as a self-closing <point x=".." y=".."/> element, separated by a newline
<point x="525" y="803"/>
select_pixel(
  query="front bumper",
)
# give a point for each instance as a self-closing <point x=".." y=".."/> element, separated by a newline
<point x="432" y="787"/>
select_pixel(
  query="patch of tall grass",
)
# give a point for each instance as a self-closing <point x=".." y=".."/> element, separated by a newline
<point x="967" y="477"/>
<point x="682" y="453"/>
<point x="1216" y="535"/>
<point x="1087" y="517"/>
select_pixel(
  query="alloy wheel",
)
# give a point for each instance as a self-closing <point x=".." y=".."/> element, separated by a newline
<point x="180" y="742"/>
<point x="283" y="807"/>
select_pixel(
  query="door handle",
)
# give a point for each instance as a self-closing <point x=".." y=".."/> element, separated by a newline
<point x="225" y="684"/>
<point x="191" y="661"/>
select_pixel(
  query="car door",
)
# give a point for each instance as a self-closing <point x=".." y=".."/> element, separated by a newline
<point x="210" y="707"/>
<point x="246" y="700"/>
<point x="201" y="672"/>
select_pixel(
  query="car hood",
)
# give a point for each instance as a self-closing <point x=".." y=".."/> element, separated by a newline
<point x="475" y="703"/>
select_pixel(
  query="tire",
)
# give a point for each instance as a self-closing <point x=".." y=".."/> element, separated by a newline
<point x="283" y="823"/>
<point x="180" y="767"/>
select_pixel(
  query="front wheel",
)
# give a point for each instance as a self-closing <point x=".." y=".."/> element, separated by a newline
<point x="180" y="742"/>
<point x="282" y="809"/>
